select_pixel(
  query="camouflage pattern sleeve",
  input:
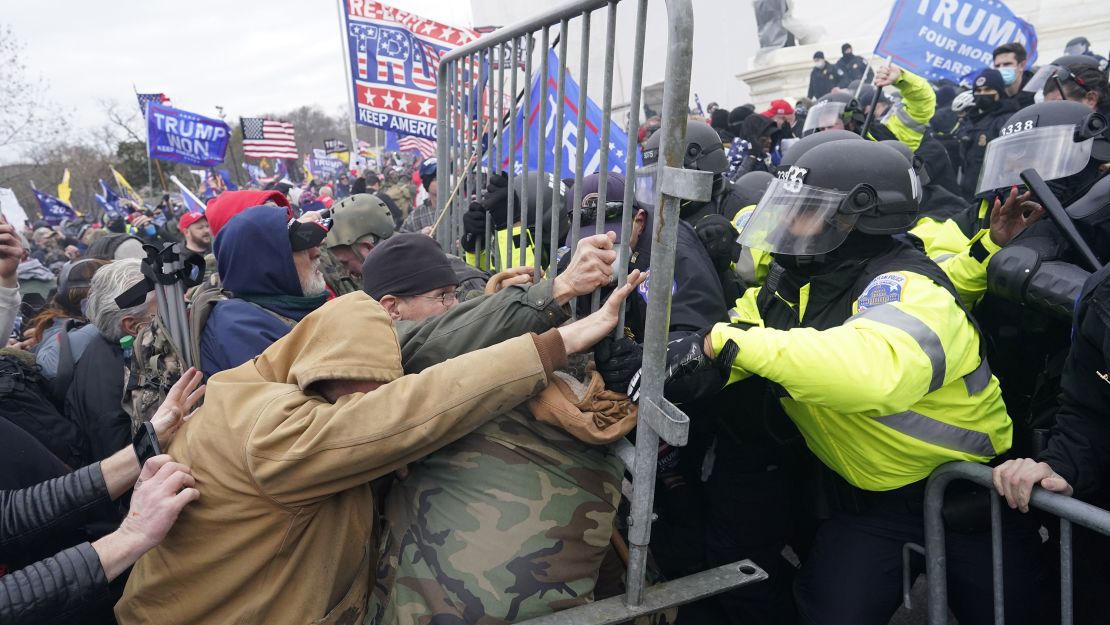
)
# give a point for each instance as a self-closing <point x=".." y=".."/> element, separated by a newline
<point x="508" y="523"/>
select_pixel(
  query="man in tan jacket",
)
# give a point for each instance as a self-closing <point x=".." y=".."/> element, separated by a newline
<point x="286" y="445"/>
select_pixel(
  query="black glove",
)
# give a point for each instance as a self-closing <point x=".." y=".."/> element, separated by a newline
<point x="617" y="360"/>
<point x="496" y="200"/>
<point x="474" y="226"/>
<point x="685" y="355"/>
<point x="718" y="235"/>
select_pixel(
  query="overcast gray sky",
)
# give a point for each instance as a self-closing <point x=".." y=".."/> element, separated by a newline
<point x="249" y="57"/>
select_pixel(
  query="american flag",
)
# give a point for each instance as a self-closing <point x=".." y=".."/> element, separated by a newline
<point x="410" y="143"/>
<point x="266" y="138"/>
<point x="157" y="98"/>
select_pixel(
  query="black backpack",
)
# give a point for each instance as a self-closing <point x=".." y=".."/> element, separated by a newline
<point x="25" y="401"/>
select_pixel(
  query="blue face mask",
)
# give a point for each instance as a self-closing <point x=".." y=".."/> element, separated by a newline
<point x="1009" y="75"/>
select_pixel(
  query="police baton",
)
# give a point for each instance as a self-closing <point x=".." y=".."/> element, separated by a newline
<point x="1056" y="211"/>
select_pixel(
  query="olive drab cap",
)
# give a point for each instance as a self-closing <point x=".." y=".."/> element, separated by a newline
<point x="357" y="216"/>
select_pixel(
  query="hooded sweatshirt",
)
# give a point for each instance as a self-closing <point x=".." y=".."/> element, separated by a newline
<point x="255" y="263"/>
<point x="282" y="532"/>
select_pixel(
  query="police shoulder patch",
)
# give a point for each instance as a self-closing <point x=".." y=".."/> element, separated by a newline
<point x="646" y="284"/>
<point x="883" y="289"/>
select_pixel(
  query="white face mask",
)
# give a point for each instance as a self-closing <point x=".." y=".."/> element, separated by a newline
<point x="819" y="64"/>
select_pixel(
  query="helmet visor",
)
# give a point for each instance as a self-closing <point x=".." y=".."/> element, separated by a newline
<point x="823" y="116"/>
<point x="1051" y="150"/>
<point x="647" y="185"/>
<point x="1043" y="75"/>
<point x="796" y="219"/>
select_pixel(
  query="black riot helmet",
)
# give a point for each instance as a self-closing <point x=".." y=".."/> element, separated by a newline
<point x="834" y="190"/>
<point x="795" y="151"/>
<point x="1064" y="141"/>
<point x="751" y="186"/>
<point x="704" y="150"/>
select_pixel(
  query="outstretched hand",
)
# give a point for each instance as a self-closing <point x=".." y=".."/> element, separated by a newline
<point x="580" y="336"/>
<point x="179" y="403"/>
<point x="1010" y="218"/>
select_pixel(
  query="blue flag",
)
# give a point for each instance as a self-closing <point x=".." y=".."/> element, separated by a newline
<point x="226" y="175"/>
<point x="940" y="39"/>
<point x="392" y="143"/>
<point x="183" y="137"/>
<point x="53" y="210"/>
<point x="591" y="155"/>
<point x="109" y="201"/>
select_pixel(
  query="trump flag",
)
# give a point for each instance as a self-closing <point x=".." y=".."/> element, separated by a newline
<point x="393" y="58"/>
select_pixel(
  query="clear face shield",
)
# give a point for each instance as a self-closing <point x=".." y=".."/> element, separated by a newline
<point x="647" y="185"/>
<point x="1053" y="151"/>
<point x="796" y="219"/>
<point x="1050" y="78"/>
<point x="824" y="116"/>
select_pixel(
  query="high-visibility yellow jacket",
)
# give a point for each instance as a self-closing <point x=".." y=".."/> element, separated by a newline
<point x="910" y="120"/>
<point x="963" y="258"/>
<point x="891" y="387"/>
<point x="508" y="250"/>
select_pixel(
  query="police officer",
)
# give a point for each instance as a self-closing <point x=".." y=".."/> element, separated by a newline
<point x="864" y="343"/>
<point x="850" y="67"/>
<point x="704" y="152"/>
<point x="822" y="78"/>
<point x="992" y="108"/>
<point x="359" y="222"/>
<point x="508" y="226"/>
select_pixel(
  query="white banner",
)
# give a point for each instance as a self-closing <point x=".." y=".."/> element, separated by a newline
<point x="11" y="209"/>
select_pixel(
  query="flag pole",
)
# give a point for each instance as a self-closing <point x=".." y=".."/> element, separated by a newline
<point x="149" y="159"/>
<point x="340" y="6"/>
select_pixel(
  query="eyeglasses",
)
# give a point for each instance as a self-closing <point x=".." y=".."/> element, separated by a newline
<point x="445" y="299"/>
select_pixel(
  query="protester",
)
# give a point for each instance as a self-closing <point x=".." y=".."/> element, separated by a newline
<point x="421" y="218"/>
<point x="298" y="416"/>
<point x="11" y="253"/>
<point x="270" y="264"/>
<point x="65" y="316"/>
<point x="71" y="585"/>
<point x="197" y="233"/>
<point x="1009" y="60"/>
<point x="359" y="222"/>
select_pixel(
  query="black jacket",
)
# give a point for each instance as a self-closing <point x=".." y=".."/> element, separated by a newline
<point x="975" y="133"/>
<point x="1079" y="446"/>
<point x="822" y="80"/>
<point x="95" y="399"/>
<point x="59" y="588"/>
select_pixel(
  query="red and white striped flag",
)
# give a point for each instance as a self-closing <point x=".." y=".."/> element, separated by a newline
<point x="266" y="138"/>
<point x="410" y="143"/>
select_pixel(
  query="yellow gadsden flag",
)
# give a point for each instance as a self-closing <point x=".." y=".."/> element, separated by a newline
<point x="64" y="190"/>
<point x="126" y="187"/>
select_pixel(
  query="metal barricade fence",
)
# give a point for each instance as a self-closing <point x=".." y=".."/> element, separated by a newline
<point x="1069" y="511"/>
<point x="474" y="113"/>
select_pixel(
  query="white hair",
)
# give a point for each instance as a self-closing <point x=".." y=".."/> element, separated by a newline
<point x="107" y="284"/>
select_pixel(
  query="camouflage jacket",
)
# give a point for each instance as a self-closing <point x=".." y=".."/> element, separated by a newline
<point x="509" y="522"/>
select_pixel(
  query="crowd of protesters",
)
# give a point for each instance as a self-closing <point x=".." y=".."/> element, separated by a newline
<point x="378" y="430"/>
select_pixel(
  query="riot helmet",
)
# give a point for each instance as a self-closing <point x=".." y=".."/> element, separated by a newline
<point x="794" y="152"/>
<point x="1064" y="72"/>
<point x="1064" y="141"/>
<point x="827" y="114"/>
<point x="703" y="152"/>
<point x="751" y="186"/>
<point x="832" y="191"/>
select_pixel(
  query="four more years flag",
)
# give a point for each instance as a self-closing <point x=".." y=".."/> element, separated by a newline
<point x="183" y="137"/>
<point x="952" y="39"/>
<point x="393" y="58"/>
<point x="53" y="210"/>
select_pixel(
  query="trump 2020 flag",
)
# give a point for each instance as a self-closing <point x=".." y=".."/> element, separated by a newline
<point x="183" y="137"/>
<point x="393" y="59"/>
<point x="591" y="133"/>
<point x="53" y="210"/>
<point x="945" y="39"/>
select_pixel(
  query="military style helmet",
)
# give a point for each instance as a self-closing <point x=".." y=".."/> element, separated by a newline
<point x="1058" y="139"/>
<point x="831" y="191"/>
<point x="358" y="216"/>
<point x="704" y="150"/>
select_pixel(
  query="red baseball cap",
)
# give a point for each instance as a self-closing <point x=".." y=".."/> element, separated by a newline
<point x="189" y="219"/>
<point x="778" y="107"/>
